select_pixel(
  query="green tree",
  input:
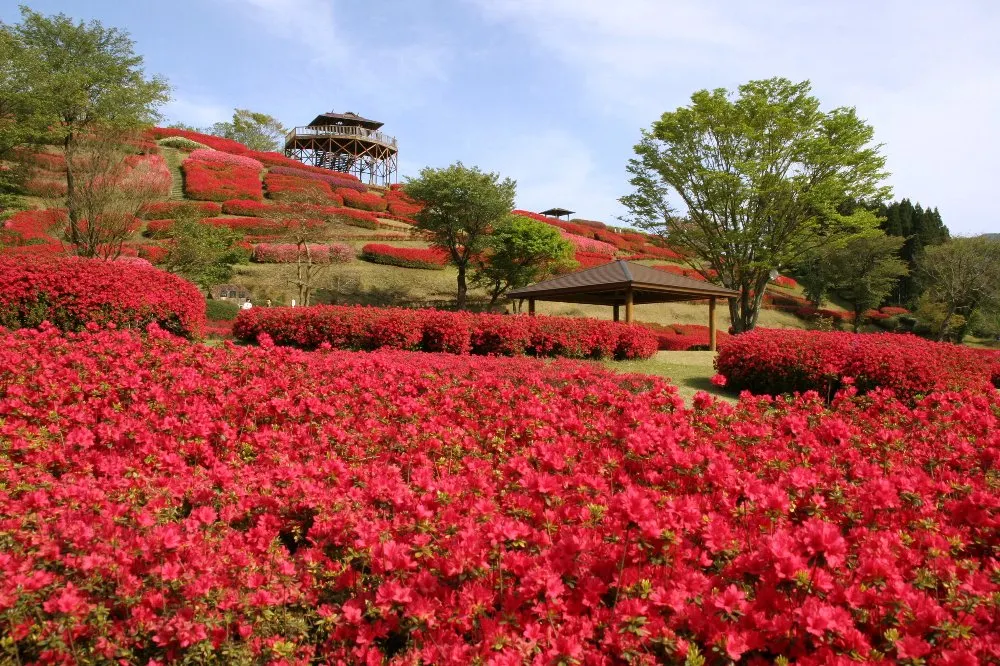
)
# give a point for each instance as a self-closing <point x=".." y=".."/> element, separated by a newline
<point x="461" y="206"/>
<point x="962" y="275"/>
<point x="865" y="270"/>
<point x="760" y="177"/>
<point x="920" y="228"/>
<point x="520" y="251"/>
<point x="73" y="78"/>
<point x="258" y="131"/>
<point x="203" y="253"/>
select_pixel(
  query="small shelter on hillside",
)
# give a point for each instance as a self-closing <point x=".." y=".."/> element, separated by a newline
<point x="346" y="142"/>
<point x="558" y="212"/>
<point x="625" y="283"/>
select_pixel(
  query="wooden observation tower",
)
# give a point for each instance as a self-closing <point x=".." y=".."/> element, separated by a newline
<point x="348" y="143"/>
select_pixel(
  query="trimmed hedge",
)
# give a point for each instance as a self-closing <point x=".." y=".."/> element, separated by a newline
<point x="72" y="292"/>
<point x="406" y="257"/>
<point x="773" y="361"/>
<point x="366" y="328"/>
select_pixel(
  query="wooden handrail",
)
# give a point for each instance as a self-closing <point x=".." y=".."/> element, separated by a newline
<point x="341" y="130"/>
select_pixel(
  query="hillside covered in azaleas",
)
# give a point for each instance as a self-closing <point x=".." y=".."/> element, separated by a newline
<point x="270" y="504"/>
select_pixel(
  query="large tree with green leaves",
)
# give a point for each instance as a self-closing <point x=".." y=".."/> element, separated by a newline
<point x="751" y="182"/>
<point x="462" y="206"/>
<point x="962" y="275"/>
<point x="920" y="228"/>
<point x="520" y="251"/>
<point x="253" y="129"/>
<point x="865" y="270"/>
<point x="203" y="253"/>
<point x="67" y="79"/>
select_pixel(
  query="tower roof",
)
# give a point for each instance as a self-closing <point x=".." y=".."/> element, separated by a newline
<point x="347" y="118"/>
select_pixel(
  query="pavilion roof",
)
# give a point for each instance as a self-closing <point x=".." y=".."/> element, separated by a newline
<point x="557" y="212"/>
<point x="348" y="118"/>
<point x="606" y="285"/>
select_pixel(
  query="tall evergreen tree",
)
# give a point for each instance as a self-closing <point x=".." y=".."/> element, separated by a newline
<point x="921" y="228"/>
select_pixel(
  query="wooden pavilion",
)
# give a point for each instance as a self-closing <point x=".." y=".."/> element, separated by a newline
<point x="346" y="142"/>
<point x="558" y="212"/>
<point x="625" y="283"/>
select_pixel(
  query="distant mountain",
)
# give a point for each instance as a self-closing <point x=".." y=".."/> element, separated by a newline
<point x="993" y="236"/>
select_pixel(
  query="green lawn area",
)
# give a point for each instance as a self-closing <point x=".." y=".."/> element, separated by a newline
<point x="690" y="371"/>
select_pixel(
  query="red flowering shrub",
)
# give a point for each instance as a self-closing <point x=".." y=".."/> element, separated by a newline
<point x="785" y="282"/>
<point x="247" y="225"/>
<point x="659" y="252"/>
<point x="684" y="337"/>
<point x="32" y="227"/>
<point x="435" y="330"/>
<point x="54" y="162"/>
<point x="685" y="271"/>
<point x="775" y="361"/>
<point x="588" y="245"/>
<point x="164" y="501"/>
<point x="210" y="140"/>
<point x="44" y="184"/>
<point x="220" y="157"/>
<point x="893" y="311"/>
<point x="589" y="259"/>
<point x="246" y="208"/>
<point x="164" y="210"/>
<point x="401" y="205"/>
<point x="288" y="253"/>
<point x="362" y="200"/>
<point x="407" y="257"/>
<point x="331" y="178"/>
<point x="154" y="254"/>
<point x="280" y="187"/>
<point x="72" y="292"/>
<point x="220" y="181"/>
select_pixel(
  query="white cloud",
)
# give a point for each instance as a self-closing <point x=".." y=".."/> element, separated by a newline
<point x="382" y="70"/>
<point x="194" y="111"/>
<point x="922" y="72"/>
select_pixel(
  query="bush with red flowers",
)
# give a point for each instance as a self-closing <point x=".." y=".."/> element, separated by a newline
<point x="220" y="180"/>
<point x="167" y="210"/>
<point x="363" y="200"/>
<point x="785" y="282"/>
<point x="772" y="361"/>
<point x="282" y="187"/>
<point x="406" y="257"/>
<point x="589" y="245"/>
<point x="72" y="292"/>
<point x="684" y="337"/>
<point x="32" y="227"/>
<point x="892" y="311"/>
<point x="331" y="178"/>
<point x="167" y="502"/>
<point x="372" y="328"/>
<point x="288" y="253"/>
<point x="590" y="259"/>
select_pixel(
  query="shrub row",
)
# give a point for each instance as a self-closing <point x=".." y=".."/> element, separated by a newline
<point x="331" y="178"/>
<point x="72" y="292"/>
<point x="32" y="227"/>
<point x="772" y="361"/>
<point x="365" y="328"/>
<point x="685" y="337"/>
<point x="407" y="257"/>
<point x="362" y="200"/>
<point x="220" y="157"/>
<point x="589" y="245"/>
<point x="288" y="253"/>
<point x="165" y="210"/>
<point x="281" y="187"/>
<point x="590" y="259"/>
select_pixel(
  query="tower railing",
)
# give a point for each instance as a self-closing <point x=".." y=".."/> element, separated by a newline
<point x="340" y="130"/>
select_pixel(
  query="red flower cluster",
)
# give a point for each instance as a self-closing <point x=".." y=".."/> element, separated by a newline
<point x="772" y="361"/>
<point x="331" y="178"/>
<point x="288" y="253"/>
<point x="247" y="225"/>
<point x="590" y="259"/>
<point x="363" y="200"/>
<point x="892" y="311"/>
<point x="785" y="282"/>
<point x="440" y="331"/>
<point x="165" y="210"/>
<point x="220" y="157"/>
<point x="154" y="254"/>
<point x="589" y="245"/>
<point x="220" y="181"/>
<point x="164" y="501"/>
<point x="684" y="337"/>
<point x="32" y="227"/>
<point x="72" y="292"/>
<point x="407" y="257"/>
<point x="684" y="271"/>
<point x="45" y="185"/>
<point x="280" y="187"/>
<point x="401" y="205"/>
<point x="657" y="252"/>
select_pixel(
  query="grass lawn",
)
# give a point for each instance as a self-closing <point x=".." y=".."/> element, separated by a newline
<point x="690" y="371"/>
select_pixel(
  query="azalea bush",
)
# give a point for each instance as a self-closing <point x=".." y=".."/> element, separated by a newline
<point x="33" y="227"/>
<point x="219" y="180"/>
<point x="165" y="210"/>
<point x="167" y="502"/>
<point x="331" y="178"/>
<point x="785" y="282"/>
<point x="591" y="259"/>
<point x="355" y="327"/>
<point x="407" y="257"/>
<point x="362" y="200"/>
<point x="685" y="337"/>
<point x="589" y="245"/>
<point x="248" y="225"/>
<point x="72" y="292"/>
<point x="281" y="187"/>
<point x="288" y="253"/>
<point x="773" y="361"/>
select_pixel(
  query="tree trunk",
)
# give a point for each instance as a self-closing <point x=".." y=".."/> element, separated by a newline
<point x="944" y="323"/>
<point x="74" y="214"/>
<point x="857" y="319"/>
<point x="462" y="288"/>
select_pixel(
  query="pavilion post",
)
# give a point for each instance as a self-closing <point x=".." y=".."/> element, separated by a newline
<point x="531" y="307"/>
<point x="711" y="324"/>
<point x="615" y="310"/>
<point x="628" y="305"/>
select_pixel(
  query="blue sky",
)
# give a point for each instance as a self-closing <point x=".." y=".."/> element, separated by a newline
<point x="553" y="92"/>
